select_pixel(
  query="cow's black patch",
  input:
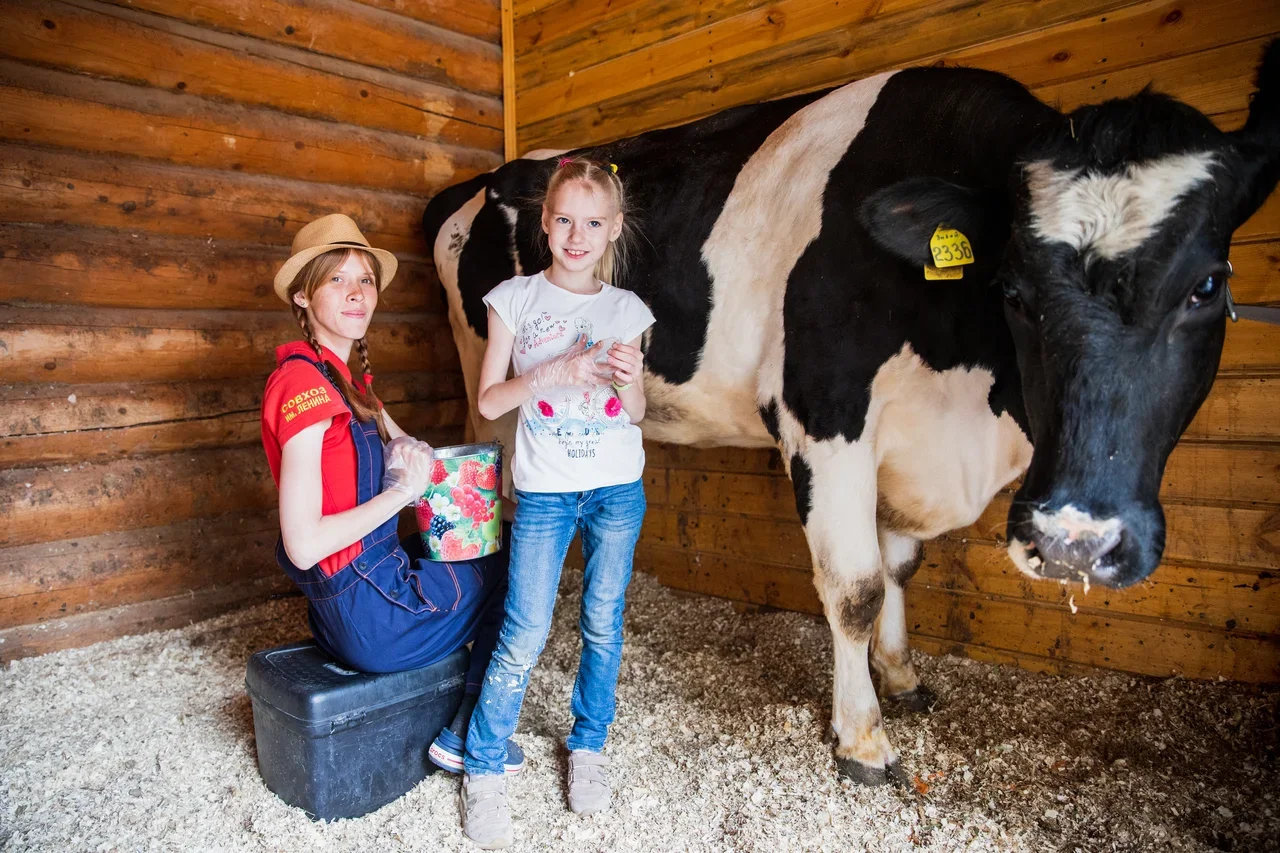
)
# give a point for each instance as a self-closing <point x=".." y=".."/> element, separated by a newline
<point x="802" y="482"/>
<point x="905" y="570"/>
<point x="859" y="609"/>
<point x="850" y="304"/>
<point x="677" y="181"/>
<point x="769" y="414"/>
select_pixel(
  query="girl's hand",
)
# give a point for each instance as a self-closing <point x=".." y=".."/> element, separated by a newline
<point x="627" y="363"/>
<point x="575" y="366"/>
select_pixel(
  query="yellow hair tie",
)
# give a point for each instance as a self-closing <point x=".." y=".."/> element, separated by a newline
<point x="613" y="167"/>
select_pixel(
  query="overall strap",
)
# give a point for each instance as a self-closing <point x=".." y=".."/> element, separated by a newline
<point x="323" y="367"/>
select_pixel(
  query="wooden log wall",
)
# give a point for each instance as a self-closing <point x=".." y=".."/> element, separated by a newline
<point x="156" y="159"/>
<point x="723" y="522"/>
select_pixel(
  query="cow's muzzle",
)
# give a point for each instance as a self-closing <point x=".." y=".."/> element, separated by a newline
<point x="1069" y="544"/>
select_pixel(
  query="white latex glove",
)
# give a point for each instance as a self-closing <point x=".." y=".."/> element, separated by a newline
<point x="575" y="366"/>
<point x="406" y="467"/>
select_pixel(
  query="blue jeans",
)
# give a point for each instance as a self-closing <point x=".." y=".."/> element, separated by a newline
<point x="545" y="522"/>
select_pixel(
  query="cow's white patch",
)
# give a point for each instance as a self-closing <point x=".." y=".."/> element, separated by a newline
<point x="889" y="649"/>
<point x="1071" y="523"/>
<point x="772" y="213"/>
<point x="1106" y="215"/>
<point x="841" y="526"/>
<point x="928" y="484"/>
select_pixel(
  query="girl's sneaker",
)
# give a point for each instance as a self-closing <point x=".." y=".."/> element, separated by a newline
<point x="588" y="787"/>
<point x="486" y="816"/>
<point x="446" y="753"/>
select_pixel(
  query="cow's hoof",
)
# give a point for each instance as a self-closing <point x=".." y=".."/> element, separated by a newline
<point x="864" y="774"/>
<point x="922" y="700"/>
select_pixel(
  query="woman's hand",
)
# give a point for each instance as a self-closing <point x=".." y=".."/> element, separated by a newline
<point x="309" y="535"/>
<point x="627" y="362"/>
<point x="408" y="467"/>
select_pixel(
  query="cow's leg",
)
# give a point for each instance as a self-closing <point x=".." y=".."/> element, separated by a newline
<point x="835" y="483"/>
<point x="898" y="680"/>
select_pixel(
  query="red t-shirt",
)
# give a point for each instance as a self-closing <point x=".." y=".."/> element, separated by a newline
<point x="297" y="396"/>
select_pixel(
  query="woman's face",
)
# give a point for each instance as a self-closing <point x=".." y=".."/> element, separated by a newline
<point x="580" y="223"/>
<point x="341" y="308"/>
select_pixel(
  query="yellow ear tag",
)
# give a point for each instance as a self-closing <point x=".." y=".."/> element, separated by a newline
<point x="950" y="248"/>
<point x="932" y="273"/>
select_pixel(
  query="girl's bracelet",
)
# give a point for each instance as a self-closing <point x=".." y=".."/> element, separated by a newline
<point x="618" y="387"/>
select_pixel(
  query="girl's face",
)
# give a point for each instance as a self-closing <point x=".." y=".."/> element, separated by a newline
<point x="341" y="308"/>
<point x="580" y="222"/>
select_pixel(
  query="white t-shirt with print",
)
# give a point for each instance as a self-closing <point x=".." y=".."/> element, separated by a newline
<point x="570" y="438"/>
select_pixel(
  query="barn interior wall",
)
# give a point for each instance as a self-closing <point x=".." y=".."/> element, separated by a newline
<point x="156" y="158"/>
<point x="722" y="521"/>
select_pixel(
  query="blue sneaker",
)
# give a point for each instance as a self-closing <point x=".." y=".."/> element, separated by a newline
<point x="446" y="753"/>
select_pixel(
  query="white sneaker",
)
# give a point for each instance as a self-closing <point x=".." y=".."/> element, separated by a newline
<point x="486" y="816"/>
<point x="588" y="786"/>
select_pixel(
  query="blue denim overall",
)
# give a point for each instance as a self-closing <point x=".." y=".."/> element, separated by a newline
<point x="386" y="611"/>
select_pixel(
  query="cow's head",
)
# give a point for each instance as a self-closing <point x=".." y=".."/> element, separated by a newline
<point x="1115" y="235"/>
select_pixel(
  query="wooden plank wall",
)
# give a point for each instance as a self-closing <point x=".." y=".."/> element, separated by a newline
<point x="723" y="522"/>
<point x="156" y="158"/>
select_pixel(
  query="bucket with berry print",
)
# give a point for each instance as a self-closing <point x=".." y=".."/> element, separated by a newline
<point x="460" y="514"/>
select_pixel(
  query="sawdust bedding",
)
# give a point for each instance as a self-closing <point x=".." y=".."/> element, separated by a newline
<point x="146" y="743"/>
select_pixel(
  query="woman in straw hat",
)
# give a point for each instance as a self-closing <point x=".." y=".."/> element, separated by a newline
<point x="372" y="605"/>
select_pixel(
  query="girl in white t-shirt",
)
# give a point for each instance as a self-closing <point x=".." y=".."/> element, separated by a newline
<point x="574" y="343"/>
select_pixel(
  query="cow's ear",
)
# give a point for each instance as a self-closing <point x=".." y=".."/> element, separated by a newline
<point x="903" y="216"/>
<point x="1259" y="140"/>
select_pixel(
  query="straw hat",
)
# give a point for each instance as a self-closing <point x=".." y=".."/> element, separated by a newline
<point x="335" y="231"/>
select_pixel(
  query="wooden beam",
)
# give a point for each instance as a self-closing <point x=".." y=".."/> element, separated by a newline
<point x="788" y="30"/>
<point x="1243" y="473"/>
<point x="1115" y="640"/>
<point x="509" y="147"/>
<point x="174" y="612"/>
<point x="62" y="187"/>
<point x="57" y="579"/>
<point x="53" y="108"/>
<point x="109" y="345"/>
<point x="841" y="55"/>
<point x="348" y="30"/>
<point x="48" y="409"/>
<point x="69" y="502"/>
<point x="234" y="429"/>
<point x="89" y="37"/>
<point x="1225" y="90"/>
<point x="477" y="18"/>
<point x="566" y="37"/>
<point x="114" y="269"/>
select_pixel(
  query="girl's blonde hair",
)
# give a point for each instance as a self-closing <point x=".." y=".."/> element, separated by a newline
<point x="364" y="403"/>
<point x="612" y="266"/>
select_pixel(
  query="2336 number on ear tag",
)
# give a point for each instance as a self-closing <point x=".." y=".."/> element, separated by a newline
<point x="950" y="248"/>
<point x="932" y="273"/>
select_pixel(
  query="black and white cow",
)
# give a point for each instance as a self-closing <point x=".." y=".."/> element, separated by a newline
<point x="782" y="256"/>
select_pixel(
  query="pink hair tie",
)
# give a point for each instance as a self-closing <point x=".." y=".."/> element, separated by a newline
<point x="564" y="161"/>
<point x="368" y="380"/>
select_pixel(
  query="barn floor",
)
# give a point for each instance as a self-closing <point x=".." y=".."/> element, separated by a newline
<point x="146" y="743"/>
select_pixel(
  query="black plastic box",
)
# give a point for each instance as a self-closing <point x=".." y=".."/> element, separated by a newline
<point x="338" y="743"/>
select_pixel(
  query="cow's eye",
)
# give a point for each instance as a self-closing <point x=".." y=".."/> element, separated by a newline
<point x="1011" y="295"/>
<point x="1205" y="291"/>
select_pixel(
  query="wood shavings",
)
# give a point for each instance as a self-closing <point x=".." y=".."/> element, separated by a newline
<point x="146" y="743"/>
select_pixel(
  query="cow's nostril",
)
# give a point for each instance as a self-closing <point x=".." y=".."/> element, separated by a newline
<point x="1071" y="548"/>
<point x="1078" y="554"/>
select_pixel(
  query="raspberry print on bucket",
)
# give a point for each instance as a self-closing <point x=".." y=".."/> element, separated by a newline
<point x="460" y="514"/>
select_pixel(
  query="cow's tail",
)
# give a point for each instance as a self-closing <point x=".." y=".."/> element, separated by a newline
<point x="446" y="203"/>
